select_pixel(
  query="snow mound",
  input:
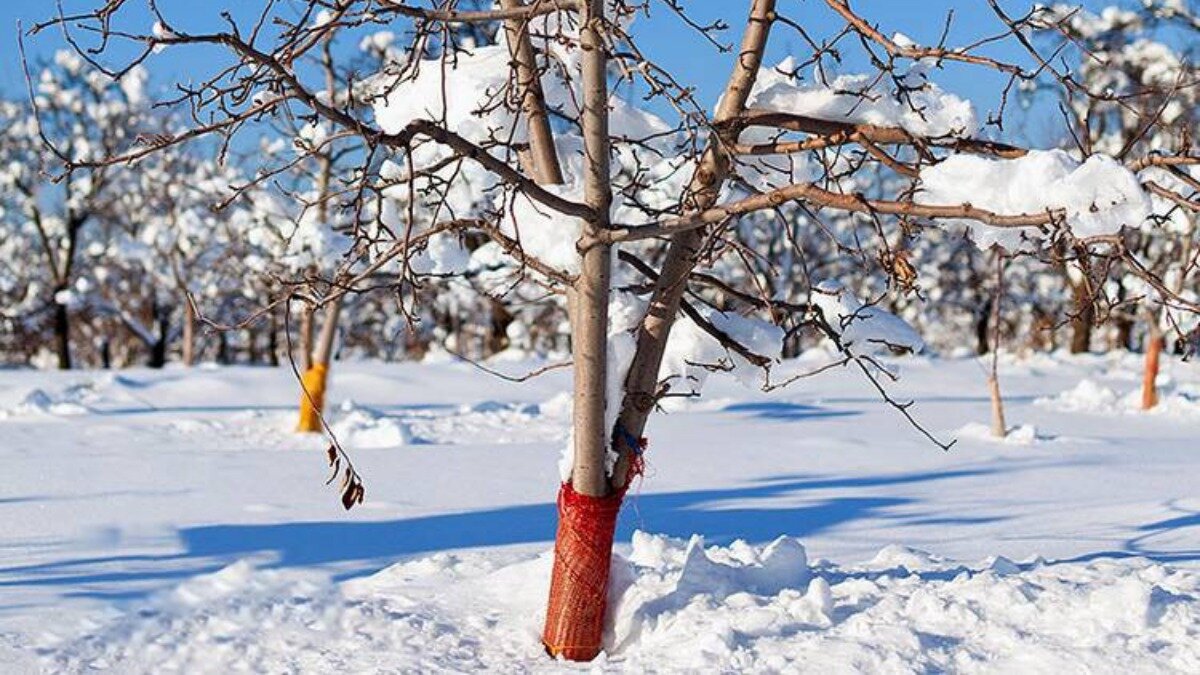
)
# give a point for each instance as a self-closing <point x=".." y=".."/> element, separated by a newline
<point x="668" y="590"/>
<point x="1025" y="434"/>
<point x="240" y="618"/>
<point x="489" y="422"/>
<point x="190" y="426"/>
<point x="740" y="608"/>
<point x="367" y="428"/>
<point x="38" y="402"/>
<point x="899" y="557"/>
<point x="1177" y="402"/>
<point x="558" y="406"/>
<point x="1087" y="396"/>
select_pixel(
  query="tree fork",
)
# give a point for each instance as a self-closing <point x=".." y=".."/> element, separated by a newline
<point x="641" y="383"/>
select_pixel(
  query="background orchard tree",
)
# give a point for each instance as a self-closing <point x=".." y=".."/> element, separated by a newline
<point x="164" y="250"/>
<point x="119" y="250"/>
<point x="82" y="115"/>
<point x="646" y="224"/>
<point x="1136" y="96"/>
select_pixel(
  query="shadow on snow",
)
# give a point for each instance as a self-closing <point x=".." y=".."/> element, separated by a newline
<point x="360" y="547"/>
<point x="756" y="512"/>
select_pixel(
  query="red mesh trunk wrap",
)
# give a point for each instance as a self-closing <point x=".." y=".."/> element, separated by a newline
<point x="579" y="582"/>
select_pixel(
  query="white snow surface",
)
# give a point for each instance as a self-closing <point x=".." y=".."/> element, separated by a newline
<point x="171" y="521"/>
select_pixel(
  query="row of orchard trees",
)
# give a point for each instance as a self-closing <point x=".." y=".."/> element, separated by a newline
<point x="110" y="268"/>
<point x="190" y="256"/>
<point x="106" y="267"/>
<point x="204" y="253"/>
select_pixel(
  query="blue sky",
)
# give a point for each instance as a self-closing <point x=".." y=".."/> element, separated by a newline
<point x="666" y="38"/>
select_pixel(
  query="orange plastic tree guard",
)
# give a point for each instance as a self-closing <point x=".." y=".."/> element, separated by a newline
<point x="1150" y="373"/>
<point x="312" y="403"/>
<point x="579" y="582"/>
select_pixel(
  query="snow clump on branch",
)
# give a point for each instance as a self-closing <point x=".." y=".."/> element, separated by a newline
<point x="1098" y="196"/>
<point x="920" y="107"/>
<point x="861" y="327"/>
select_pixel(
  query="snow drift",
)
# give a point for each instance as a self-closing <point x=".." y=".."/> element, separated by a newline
<point x="677" y="606"/>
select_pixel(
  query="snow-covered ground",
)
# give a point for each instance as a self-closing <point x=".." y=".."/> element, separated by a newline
<point x="171" y="522"/>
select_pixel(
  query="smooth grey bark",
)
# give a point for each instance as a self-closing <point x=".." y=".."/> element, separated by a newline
<point x="189" y="332"/>
<point x="543" y="157"/>
<point x="324" y="347"/>
<point x="590" y="293"/>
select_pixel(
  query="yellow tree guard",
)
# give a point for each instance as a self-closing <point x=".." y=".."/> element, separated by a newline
<point x="312" y="399"/>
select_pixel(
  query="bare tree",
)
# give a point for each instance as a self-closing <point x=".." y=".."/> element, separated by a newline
<point x="463" y="139"/>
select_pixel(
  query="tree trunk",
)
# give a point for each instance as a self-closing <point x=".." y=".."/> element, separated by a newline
<point x="1124" y="338"/>
<point x="999" y="427"/>
<point x="316" y="376"/>
<point x="273" y="339"/>
<point x="158" y="354"/>
<point x="587" y="508"/>
<point x="1083" y="320"/>
<point x="158" y="350"/>
<point x="983" y="335"/>
<point x="589" y="503"/>
<point x="62" y="335"/>
<point x="589" y="325"/>
<point x="252" y="353"/>
<point x="641" y="384"/>
<point x="189" y="333"/>
<point x="306" y="338"/>
<point x="1081" y="332"/>
<point x="222" y="348"/>
<point x="498" y="332"/>
<point x="1154" y="348"/>
<point x="1124" y="320"/>
<point x="542" y="154"/>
